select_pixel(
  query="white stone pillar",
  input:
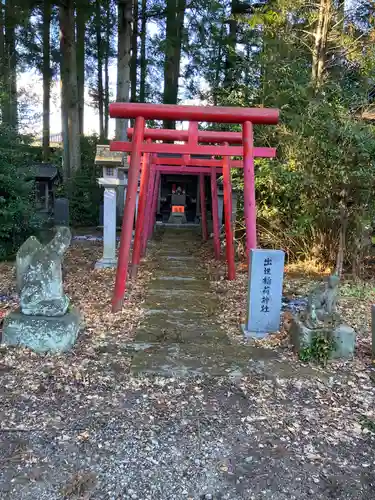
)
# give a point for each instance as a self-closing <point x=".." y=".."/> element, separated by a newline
<point x="109" y="223"/>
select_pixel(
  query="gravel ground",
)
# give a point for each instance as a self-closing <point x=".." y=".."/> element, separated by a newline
<point x="164" y="439"/>
<point x="80" y="426"/>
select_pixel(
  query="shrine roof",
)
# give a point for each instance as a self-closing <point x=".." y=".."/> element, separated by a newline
<point x="42" y="171"/>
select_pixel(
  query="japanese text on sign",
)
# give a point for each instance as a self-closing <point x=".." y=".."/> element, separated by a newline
<point x="267" y="282"/>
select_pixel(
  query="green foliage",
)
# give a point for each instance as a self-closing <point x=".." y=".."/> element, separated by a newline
<point x="319" y="351"/>
<point x="321" y="181"/>
<point x="18" y="219"/>
<point x="85" y="195"/>
<point x="326" y="160"/>
<point x="360" y="290"/>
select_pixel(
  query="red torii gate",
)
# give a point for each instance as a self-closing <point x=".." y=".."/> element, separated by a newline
<point x="206" y="166"/>
<point x="150" y="177"/>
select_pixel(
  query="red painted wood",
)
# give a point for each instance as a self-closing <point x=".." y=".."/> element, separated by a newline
<point x="229" y="250"/>
<point x="265" y="116"/>
<point x="141" y="216"/>
<point x="203" y="207"/>
<point x="154" y="203"/>
<point x="215" y="214"/>
<point x="128" y="217"/>
<point x="249" y="187"/>
<point x="160" y="134"/>
<point x="184" y="170"/>
<point x="193" y="133"/>
<point x="196" y="162"/>
<point x="191" y="149"/>
<point x="150" y="191"/>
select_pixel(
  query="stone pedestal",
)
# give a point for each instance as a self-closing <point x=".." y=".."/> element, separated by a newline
<point x="42" y="333"/>
<point x="61" y="212"/>
<point x="343" y="337"/>
<point x="44" y="322"/>
<point x="177" y="218"/>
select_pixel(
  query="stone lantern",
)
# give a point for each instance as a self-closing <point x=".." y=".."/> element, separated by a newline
<point x="111" y="162"/>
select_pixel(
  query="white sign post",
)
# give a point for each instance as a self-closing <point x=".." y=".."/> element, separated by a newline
<point x="266" y="271"/>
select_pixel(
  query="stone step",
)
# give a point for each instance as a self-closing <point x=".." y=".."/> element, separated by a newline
<point x="196" y="360"/>
<point x="173" y="251"/>
<point x="174" y="300"/>
<point x="173" y="267"/>
<point x="180" y="258"/>
<point x="179" y="272"/>
<point x="177" y="316"/>
<point x="188" y="360"/>
<point x="179" y="284"/>
<point x="166" y="333"/>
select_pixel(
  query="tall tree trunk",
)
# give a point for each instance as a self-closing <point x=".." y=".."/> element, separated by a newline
<point x="106" y="98"/>
<point x="174" y="30"/>
<point x="320" y="43"/>
<point x="341" y="14"/>
<point x="143" y="62"/>
<point x="64" y="117"/>
<point x="10" y="66"/>
<point x="106" y="67"/>
<point x="231" y="53"/>
<point x="2" y="61"/>
<point x="70" y="89"/>
<point x="342" y="239"/>
<point x="218" y="66"/>
<point x="46" y="78"/>
<point x="99" y="45"/>
<point x="123" y="62"/>
<point x="81" y="27"/>
<point x="134" y="59"/>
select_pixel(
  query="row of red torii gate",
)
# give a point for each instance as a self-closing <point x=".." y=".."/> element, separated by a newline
<point x="145" y="165"/>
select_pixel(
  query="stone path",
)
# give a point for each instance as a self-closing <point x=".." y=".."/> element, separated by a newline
<point x="180" y="335"/>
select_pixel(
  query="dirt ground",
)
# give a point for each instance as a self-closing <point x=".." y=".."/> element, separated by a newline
<point x="80" y="426"/>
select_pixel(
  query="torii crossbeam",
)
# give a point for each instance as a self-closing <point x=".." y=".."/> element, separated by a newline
<point x="153" y="164"/>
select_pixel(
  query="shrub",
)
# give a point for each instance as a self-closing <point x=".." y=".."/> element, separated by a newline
<point x="86" y="195"/>
<point x="18" y="219"/>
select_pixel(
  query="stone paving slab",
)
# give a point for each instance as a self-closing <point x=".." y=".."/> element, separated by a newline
<point x="178" y="270"/>
<point x="181" y="285"/>
<point x="177" y="316"/>
<point x="159" y="300"/>
<point x="182" y="360"/>
<point x="180" y="335"/>
<point x="183" y="335"/>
